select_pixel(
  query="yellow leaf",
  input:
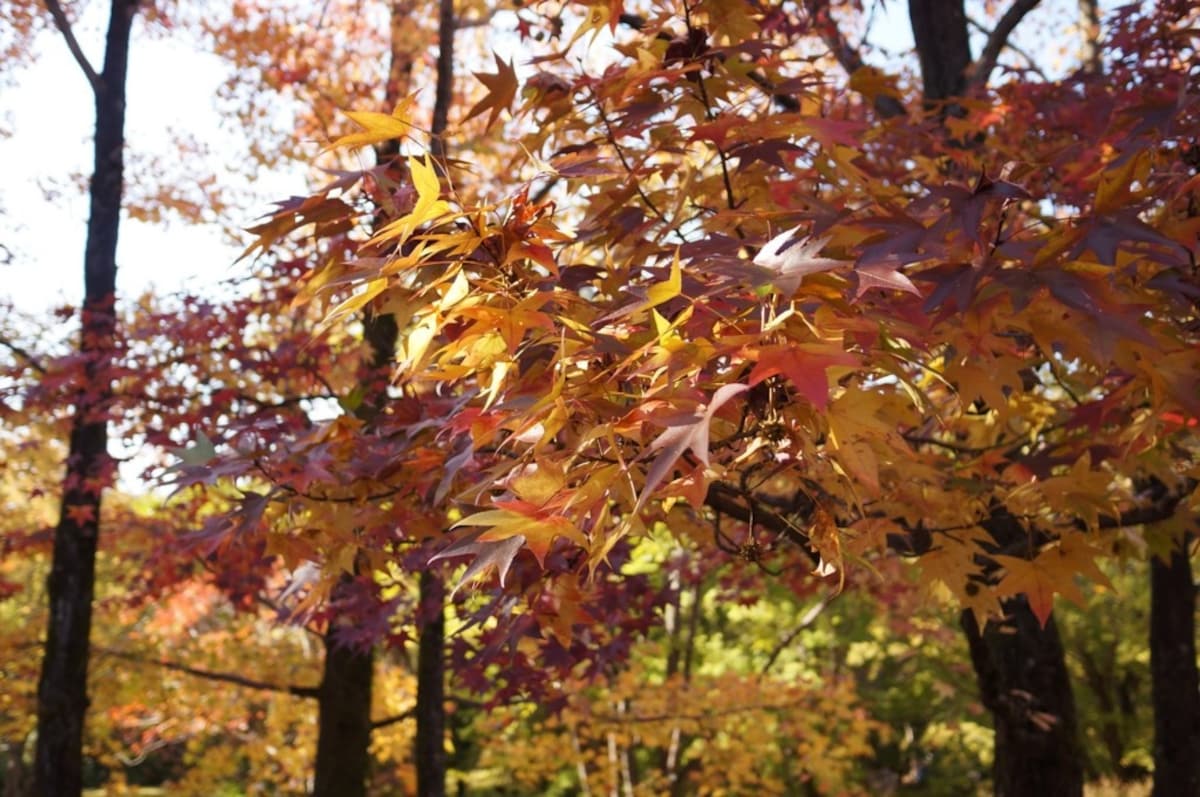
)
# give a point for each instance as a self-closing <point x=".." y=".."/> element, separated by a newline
<point x="429" y="205"/>
<point x="377" y="127"/>
<point x="665" y="291"/>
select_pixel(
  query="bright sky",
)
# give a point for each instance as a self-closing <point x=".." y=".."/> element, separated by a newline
<point x="43" y="213"/>
<point x="172" y="86"/>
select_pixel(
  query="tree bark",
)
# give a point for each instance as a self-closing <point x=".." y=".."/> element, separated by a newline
<point x="1021" y="667"/>
<point x="1176" y="686"/>
<point x="943" y="47"/>
<point x="430" y="743"/>
<point x="1023" y="681"/>
<point x="343" y="715"/>
<point x="62" y="685"/>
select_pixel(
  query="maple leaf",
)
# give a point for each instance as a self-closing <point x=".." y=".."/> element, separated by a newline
<point x="377" y="127"/>
<point x="1052" y="571"/>
<point x="883" y="275"/>
<point x="492" y="553"/>
<point x="804" y="366"/>
<point x="790" y="258"/>
<point x="689" y="433"/>
<point x="536" y="528"/>
<point x="502" y="90"/>
<point x="81" y="514"/>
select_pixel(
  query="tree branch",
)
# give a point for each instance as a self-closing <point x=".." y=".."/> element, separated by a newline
<point x="64" y="26"/>
<point x="1033" y="67"/>
<point x="223" y="677"/>
<point x="727" y="500"/>
<point x="982" y="69"/>
<point x="851" y="61"/>
<point x="24" y="354"/>
<point x="785" y="101"/>
<point x="392" y="720"/>
<point x="806" y="621"/>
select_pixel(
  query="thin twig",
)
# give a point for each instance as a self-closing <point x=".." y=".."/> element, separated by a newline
<point x="806" y="621"/>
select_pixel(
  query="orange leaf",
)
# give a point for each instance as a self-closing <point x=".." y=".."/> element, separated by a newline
<point x="502" y="89"/>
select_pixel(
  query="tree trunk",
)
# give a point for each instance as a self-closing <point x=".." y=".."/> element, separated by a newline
<point x="430" y="744"/>
<point x="62" y="686"/>
<point x="343" y="715"/>
<point x="1021" y="667"/>
<point x="1176" y="686"/>
<point x="430" y="752"/>
<point x="1023" y="681"/>
<point x="943" y="47"/>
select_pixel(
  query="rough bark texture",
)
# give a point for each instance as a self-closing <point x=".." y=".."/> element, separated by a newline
<point x="1023" y="681"/>
<point x="62" y="686"/>
<point x="344" y="720"/>
<point x="343" y="760"/>
<point x="943" y="47"/>
<point x="1176" y="687"/>
<point x="431" y="691"/>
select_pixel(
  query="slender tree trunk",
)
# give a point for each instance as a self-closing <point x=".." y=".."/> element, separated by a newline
<point x="1089" y="20"/>
<point x="430" y="743"/>
<point x="344" y="716"/>
<point x="1023" y="681"/>
<point x="62" y="686"/>
<point x="343" y="759"/>
<point x="1176" y="686"/>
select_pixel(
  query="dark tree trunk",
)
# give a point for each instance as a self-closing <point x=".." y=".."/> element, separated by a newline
<point x="943" y="47"/>
<point x="343" y="716"/>
<point x="430" y="743"/>
<point x="62" y="686"/>
<point x="344" y="697"/>
<point x="1176" y="687"/>
<point x="1023" y="681"/>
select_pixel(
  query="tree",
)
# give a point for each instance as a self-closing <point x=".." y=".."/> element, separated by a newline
<point x="948" y="355"/>
<point x="62" y="686"/>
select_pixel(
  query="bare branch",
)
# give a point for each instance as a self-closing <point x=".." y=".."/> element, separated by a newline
<point x="64" y="26"/>
<point x="392" y="720"/>
<point x="223" y="677"/>
<point x="982" y="69"/>
<point x="24" y="354"/>
<point x="1033" y="67"/>
<point x="806" y="621"/>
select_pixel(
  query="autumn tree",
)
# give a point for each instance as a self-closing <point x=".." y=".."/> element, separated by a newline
<point x="62" y="687"/>
<point x="947" y="355"/>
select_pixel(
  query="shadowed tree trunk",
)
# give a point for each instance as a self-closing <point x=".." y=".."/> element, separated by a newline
<point x="1023" y="681"/>
<point x="343" y="717"/>
<point x="1175" y="687"/>
<point x="343" y="759"/>
<point x="430" y="743"/>
<point x="62" y="686"/>
<point x="940" y="31"/>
